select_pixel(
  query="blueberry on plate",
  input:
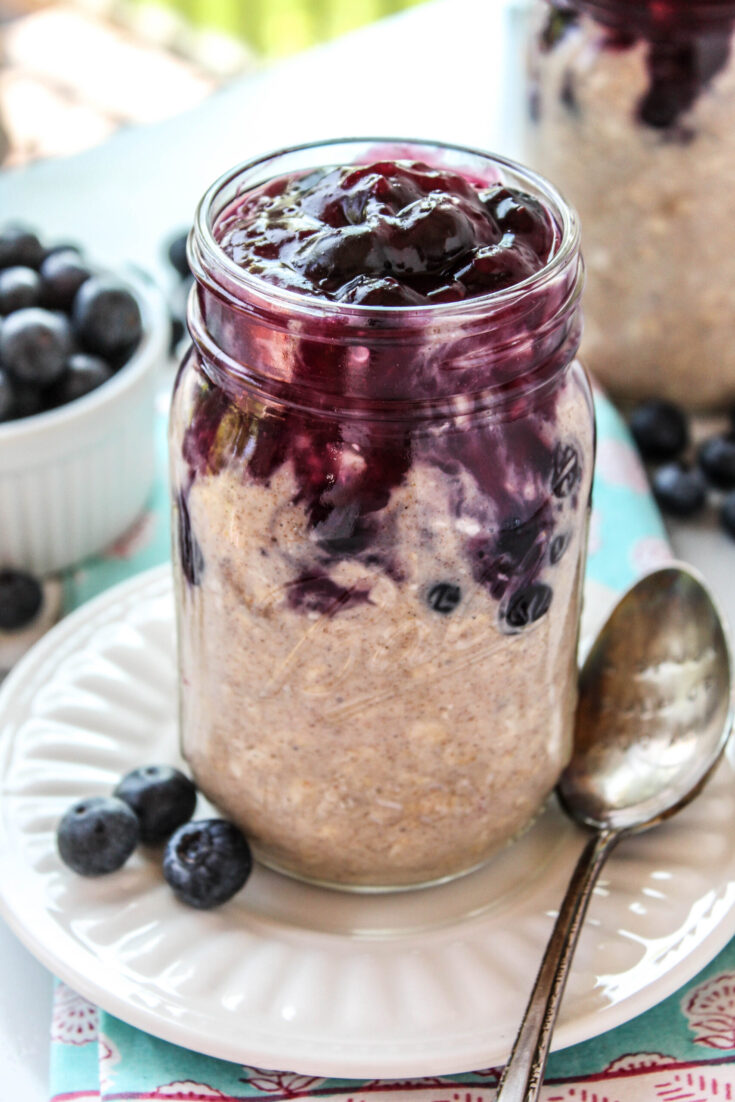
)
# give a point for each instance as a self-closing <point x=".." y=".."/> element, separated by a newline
<point x="35" y="344"/>
<point x="680" y="491"/>
<point x="162" y="798"/>
<point x="106" y="317"/>
<point x="21" y="597"/>
<point x="62" y="274"/>
<point x="716" y="457"/>
<point x="83" y="374"/>
<point x="206" y="862"/>
<point x="97" y="835"/>
<point x="659" y="429"/>
<point x="19" y="287"/>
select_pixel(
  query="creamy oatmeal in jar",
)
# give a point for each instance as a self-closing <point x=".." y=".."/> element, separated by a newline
<point x="632" y="110"/>
<point x="382" y="451"/>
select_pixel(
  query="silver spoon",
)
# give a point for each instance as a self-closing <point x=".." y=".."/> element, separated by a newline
<point x="654" y="714"/>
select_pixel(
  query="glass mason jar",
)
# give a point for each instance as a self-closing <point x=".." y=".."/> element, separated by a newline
<point x="631" y="106"/>
<point x="379" y="537"/>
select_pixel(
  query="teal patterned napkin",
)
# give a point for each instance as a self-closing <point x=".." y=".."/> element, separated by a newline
<point x="683" y="1050"/>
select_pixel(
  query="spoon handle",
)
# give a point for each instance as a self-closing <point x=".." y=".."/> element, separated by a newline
<point x="521" y="1081"/>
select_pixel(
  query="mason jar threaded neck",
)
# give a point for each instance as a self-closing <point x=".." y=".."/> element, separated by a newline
<point x="492" y="345"/>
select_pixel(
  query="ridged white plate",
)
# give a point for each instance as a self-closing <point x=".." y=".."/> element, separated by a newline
<point x="299" y="978"/>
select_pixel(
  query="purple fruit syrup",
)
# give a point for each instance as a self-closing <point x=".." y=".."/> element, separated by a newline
<point x="391" y="235"/>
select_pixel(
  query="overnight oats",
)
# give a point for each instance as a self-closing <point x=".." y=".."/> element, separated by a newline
<point x="631" y="109"/>
<point x="382" y="450"/>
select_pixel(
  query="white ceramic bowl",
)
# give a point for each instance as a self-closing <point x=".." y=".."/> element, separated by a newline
<point x="74" y="478"/>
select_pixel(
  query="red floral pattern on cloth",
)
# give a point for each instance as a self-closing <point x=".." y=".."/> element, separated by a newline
<point x="672" y="1083"/>
<point x="710" y="1011"/>
<point x="188" y="1092"/>
<point x="283" y="1083"/>
<point x="75" y="1020"/>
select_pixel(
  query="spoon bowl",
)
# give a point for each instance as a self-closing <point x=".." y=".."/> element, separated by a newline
<point x="654" y="715"/>
<point x="654" y="708"/>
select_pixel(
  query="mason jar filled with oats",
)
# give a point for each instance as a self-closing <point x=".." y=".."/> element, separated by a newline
<point x="630" y="113"/>
<point x="382" y="450"/>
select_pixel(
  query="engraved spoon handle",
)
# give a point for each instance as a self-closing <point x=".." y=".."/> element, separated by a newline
<point x="521" y="1081"/>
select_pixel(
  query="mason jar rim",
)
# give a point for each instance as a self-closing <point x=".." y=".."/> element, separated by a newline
<point x="207" y="257"/>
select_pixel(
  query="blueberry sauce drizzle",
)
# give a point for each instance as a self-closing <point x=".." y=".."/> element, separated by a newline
<point x="684" y="55"/>
<point x="391" y="234"/>
<point x="387" y="234"/>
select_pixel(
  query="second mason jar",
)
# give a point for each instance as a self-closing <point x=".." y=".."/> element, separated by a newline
<point x="631" y="114"/>
<point x="379" y="527"/>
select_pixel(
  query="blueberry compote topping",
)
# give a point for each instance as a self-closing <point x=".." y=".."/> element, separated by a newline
<point x="398" y="234"/>
<point x="388" y="234"/>
<point x="687" y="43"/>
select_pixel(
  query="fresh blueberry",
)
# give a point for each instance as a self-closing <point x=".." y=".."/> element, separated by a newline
<point x="83" y="374"/>
<point x="517" y="549"/>
<point x="21" y="597"/>
<point x="106" y="317"/>
<point x="97" y="835"/>
<point x="659" y="429"/>
<point x="528" y="605"/>
<point x="206" y="862"/>
<point x="162" y="798"/>
<point x="177" y="254"/>
<point x="62" y="274"/>
<point x="558" y="546"/>
<point x="727" y="513"/>
<point x="35" y="344"/>
<point x="716" y="457"/>
<point x="192" y="560"/>
<point x="62" y="247"/>
<point x="444" y="597"/>
<point x="7" y="397"/>
<point x="19" y="287"/>
<point x="19" y="246"/>
<point x="680" y="491"/>
<point x="566" y="470"/>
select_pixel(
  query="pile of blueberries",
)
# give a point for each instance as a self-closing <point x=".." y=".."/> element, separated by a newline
<point x="64" y="330"/>
<point x="661" y="432"/>
<point x="205" y="861"/>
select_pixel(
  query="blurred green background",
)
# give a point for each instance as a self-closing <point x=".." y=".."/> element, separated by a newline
<point x="274" y="28"/>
